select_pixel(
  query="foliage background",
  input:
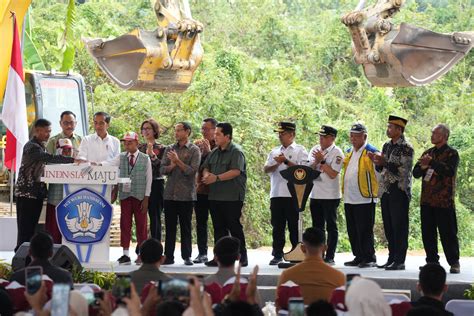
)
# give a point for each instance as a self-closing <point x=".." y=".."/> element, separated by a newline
<point x="272" y="60"/>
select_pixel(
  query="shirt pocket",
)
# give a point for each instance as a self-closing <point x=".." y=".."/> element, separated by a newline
<point x="221" y="167"/>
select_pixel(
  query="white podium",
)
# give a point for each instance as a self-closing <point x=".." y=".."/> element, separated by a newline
<point x="85" y="214"/>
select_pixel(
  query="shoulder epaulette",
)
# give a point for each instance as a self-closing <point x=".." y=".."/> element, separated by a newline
<point x="371" y="148"/>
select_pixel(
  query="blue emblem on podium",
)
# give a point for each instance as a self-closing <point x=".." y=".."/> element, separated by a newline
<point x="84" y="217"/>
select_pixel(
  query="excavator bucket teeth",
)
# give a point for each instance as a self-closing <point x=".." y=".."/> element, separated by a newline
<point x="120" y="58"/>
<point x="413" y="56"/>
<point x="162" y="60"/>
<point x="140" y="61"/>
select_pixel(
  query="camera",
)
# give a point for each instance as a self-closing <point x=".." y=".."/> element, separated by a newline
<point x="93" y="298"/>
<point x="121" y="289"/>
<point x="296" y="306"/>
<point x="33" y="277"/>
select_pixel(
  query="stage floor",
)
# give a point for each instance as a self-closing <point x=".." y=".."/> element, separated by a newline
<point x="262" y="256"/>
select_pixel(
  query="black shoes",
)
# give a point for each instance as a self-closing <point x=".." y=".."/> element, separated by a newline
<point x="365" y="264"/>
<point x="124" y="260"/>
<point x="275" y="261"/>
<point x="188" y="262"/>
<point x="353" y="263"/>
<point x="138" y="262"/>
<point x="421" y="267"/>
<point x="212" y="263"/>
<point x="200" y="259"/>
<point x="168" y="261"/>
<point x="386" y="264"/>
<point x="330" y="261"/>
<point x="455" y="268"/>
<point x="395" y="266"/>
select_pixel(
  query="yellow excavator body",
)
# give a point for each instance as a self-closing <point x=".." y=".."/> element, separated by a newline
<point x="161" y="60"/>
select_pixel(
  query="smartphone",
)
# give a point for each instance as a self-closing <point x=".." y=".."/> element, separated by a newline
<point x="174" y="289"/>
<point x="296" y="306"/>
<point x="60" y="300"/>
<point x="33" y="277"/>
<point x="349" y="278"/>
<point x="92" y="298"/>
<point x="121" y="289"/>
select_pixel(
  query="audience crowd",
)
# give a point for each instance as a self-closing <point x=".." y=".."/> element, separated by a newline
<point x="312" y="286"/>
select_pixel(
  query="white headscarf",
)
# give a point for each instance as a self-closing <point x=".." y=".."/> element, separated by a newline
<point x="365" y="298"/>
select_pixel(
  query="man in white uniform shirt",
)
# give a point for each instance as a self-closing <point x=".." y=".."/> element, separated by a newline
<point x="326" y="194"/>
<point x="360" y="196"/>
<point x="282" y="208"/>
<point x="99" y="146"/>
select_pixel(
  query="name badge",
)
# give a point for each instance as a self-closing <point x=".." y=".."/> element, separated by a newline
<point x="428" y="175"/>
<point x="127" y="187"/>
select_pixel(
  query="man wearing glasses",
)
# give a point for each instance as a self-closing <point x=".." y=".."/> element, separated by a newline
<point x="201" y="208"/>
<point x="282" y="208"/>
<point x="180" y="164"/>
<point x="55" y="192"/>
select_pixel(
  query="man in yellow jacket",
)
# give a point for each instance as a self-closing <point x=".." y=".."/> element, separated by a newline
<point x="360" y="196"/>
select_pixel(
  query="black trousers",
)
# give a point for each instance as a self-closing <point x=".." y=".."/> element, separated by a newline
<point x="444" y="220"/>
<point x="360" y="219"/>
<point x="324" y="216"/>
<point x="182" y="211"/>
<point x="283" y="211"/>
<point x="155" y="207"/>
<point x="226" y="220"/>
<point x="395" y="223"/>
<point x="28" y="212"/>
<point x="201" y="209"/>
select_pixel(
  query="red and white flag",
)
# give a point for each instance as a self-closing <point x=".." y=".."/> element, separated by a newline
<point x="14" y="107"/>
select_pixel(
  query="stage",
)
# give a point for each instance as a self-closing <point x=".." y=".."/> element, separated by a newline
<point x="268" y="275"/>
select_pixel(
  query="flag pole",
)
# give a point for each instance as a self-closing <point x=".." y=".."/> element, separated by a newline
<point x="12" y="182"/>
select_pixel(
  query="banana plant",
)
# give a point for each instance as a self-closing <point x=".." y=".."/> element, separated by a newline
<point x="66" y="42"/>
<point x="31" y="56"/>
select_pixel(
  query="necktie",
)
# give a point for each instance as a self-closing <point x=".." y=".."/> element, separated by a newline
<point x="131" y="162"/>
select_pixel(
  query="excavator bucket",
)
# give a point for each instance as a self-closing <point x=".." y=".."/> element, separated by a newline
<point x="405" y="55"/>
<point x="415" y="57"/>
<point x="162" y="60"/>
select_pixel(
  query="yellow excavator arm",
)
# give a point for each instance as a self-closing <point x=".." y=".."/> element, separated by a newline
<point x="161" y="60"/>
<point x="401" y="55"/>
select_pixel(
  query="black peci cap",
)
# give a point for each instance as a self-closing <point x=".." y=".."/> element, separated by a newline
<point x="397" y="120"/>
<point x="285" y="126"/>
<point x="327" y="130"/>
<point x="358" y="128"/>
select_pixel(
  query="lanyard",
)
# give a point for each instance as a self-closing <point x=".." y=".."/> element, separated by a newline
<point x="128" y="164"/>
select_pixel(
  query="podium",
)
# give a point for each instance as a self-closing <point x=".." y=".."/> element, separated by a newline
<point x="300" y="183"/>
<point x="85" y="214"/>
